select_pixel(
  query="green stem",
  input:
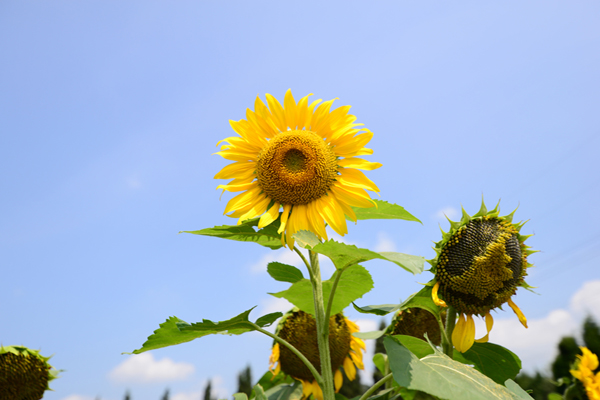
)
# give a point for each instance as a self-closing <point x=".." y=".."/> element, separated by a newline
<point x="338" y="275"/>
<point x="297" y="250"/>
<point x="294" y="350"/>
<point x="322" y="328"/>
<point x="447" y="338"/>
<point x="376" y="386"/>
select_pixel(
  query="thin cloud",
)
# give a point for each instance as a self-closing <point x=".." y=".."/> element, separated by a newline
<point x="143" y="368"/>
<point x="384" y="243"/>
<point x="217" y="390"/>
<point x="450" y="212"/>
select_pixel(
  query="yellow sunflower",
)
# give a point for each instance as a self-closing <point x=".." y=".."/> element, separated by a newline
<point x="480" y="264"/>
<point x="300" y="158"/>
<point x="584" y="371"/>
<point x="300" y="329"/>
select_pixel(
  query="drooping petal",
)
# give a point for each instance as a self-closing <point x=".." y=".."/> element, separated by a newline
<point x="434" y="296"/>
<point x="349" y="368"/>
<point x="316" y="391"/>
<point x="306" y="389"/>
<point x="357" y="359"/>
<point x="270" y="216"/>
<point x="489" y="323"/>
<point x="519" y="313"/>
<point x="463" y="335"/>
<point x="284" y="217"/>
<point x="338" y="379"/>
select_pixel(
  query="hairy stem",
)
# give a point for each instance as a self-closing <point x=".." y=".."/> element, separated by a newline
<point x="322" y="328"/>
<point x="447" y="337"/>
<point x="338" y="275"/>
<point x="376" y="386"/>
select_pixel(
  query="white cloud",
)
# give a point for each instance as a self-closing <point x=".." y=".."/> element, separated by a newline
<point x="384" y="243"/>
<point x="537" y="345"/>
<point x="449" y="212"/>
<point x="217" y="389"/>
<point x="77" y="397"/>
<point x="367" y="325"/>
<point x="143" y="368"/>
<point x="284" y="256"/>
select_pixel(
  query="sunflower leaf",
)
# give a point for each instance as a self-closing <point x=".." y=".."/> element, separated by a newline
<point x="245" y="232"/>
<point x="284" y="272"/>
<point x="492" y="360"/>
<point x="382" y="309"/>
<point x="176" y="331"/>
<point x="384" y="210"/>
<point x="441" y="376"/>
<point x="344" y="255"/>
<point x="353" y="284"/>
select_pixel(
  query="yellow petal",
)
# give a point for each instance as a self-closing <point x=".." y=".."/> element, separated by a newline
<point x="330" y="212"/>
<point x="238" y="188"/>
<point x="316" y="222"/>
<point x="352" y="327"/>
<point x="354" y="162"/>
<point x="302" y="111"/>
<point x="320" y="116"/>
<point x="355" y="197"/>
<point x="355" y="178"/>
<point x="434" y="295"/>
<point x="257" y="209"/>
<point x="289" y="107"/>
<point x="349" y="368"/>
<point x="338" y="379"/>
<point x="463" y="335"/>
<point x="290" y="228"/>
<point x="519" y="313"/>
<point x="269" y="216"/>
<point x="353" y="145"/>
<point x="489" y="323"/>
<point x="316" y="390"/>
<point x="237" y="170"/>
<point x="306" y="389"/>
<point x="242" y="199"/>
<point x="277" y="112"/>
<point x="357" y="359"/>
<point x="284" y="217"/>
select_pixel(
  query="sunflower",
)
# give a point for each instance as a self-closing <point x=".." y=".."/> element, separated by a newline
<point x="480" y="264"/>
<point x="584" y="371"/>
<point x="24" y="373"/>
<point x="300" y="158"/>
<point x="299" y="329"/>
<point x="416" y="322"/>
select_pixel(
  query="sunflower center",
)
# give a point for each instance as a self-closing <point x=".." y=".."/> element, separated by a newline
<point x="300" y="330"/>
<point x="481" y="265"/>
<point x="296" y="167"/>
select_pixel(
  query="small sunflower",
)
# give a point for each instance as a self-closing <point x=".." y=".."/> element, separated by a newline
<point x="416" y="322"/>
<point x="300" y="329"/>
<point x="300" y="158"/>
<point x="584" y="371"/>
<point x="24" y="373"/>
<point x="480" y="264"/>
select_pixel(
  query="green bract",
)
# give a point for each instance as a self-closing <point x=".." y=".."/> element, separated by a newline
<point x="24" y="373"/>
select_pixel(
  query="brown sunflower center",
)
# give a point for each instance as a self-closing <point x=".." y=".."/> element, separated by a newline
<point x="481" y="265"/>
<point x="296" y="167"/>
<point x="300" y="329"/>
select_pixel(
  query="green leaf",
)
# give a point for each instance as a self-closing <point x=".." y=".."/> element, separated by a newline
<point x="284" y="273"/>
<point x="382" y="309"/>
<point x="343" y="255"/>
<point x="245" y="232"/>
<point x="422" y="299"/>
<point x="176" y="331"/>
<point x="259" y="391"/>
<point x="240" y="396"/>
<point x="384" y="210"/>
<point x="492" y="360"/>
<point x="267" y="381"/>
<point x="380" y="360"/>
<point x="285" y="392"/>
<point x="353" y="284"/>
<point x="418" y="347"/>
<point x="369" y="335"/>
<point x="441" y="376"/>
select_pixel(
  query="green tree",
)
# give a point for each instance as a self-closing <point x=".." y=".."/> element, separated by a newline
<point x="567" y="353"/>
<point x="591" y="335"/>
<point x="127" y="395"/>
<point x="165" y="395"/>
<point x="207" y="391"/>
<point x="245" y="381"/>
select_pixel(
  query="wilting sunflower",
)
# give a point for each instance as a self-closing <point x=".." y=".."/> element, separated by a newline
<point x="300" y="329"/>
<point x="584" y="371"/>
<point x="416" y="322"/>
<point x="300" y="158"/>
<point x="24" y="373"/>
<point x="480" y="264"/>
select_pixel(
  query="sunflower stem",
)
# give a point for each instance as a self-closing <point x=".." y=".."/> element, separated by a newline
<point x="447" y="337"/>
<point x="294" y="350"/>
<point x="297" y="250"/>
<point x="322" y="328"/>
<point x="376" y="386"/>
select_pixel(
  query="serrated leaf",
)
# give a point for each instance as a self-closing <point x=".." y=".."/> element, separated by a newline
<point x="284" y="272"/>
<point x="245" y="232"/>
<point x="353" y="284"/>
<point x="441" y="376"/>
<point x="176" y="331"/>
<point x="382" y="309"/>
<point x="343" y="255"/>
<point x="492" y="360"/>
<point x="384" y="210"/>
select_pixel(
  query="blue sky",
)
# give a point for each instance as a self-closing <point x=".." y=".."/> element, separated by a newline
<point x="110" y="111"/>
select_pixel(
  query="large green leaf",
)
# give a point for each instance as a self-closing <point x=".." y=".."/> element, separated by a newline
<point x="267" y="381"/>
<point x="245" y="232"/>
<point x="492" y="360"/>
<point x="381" y="310"/>
<point x="384" y="210"/>
<point x="443" y="377"/>
<point x="343" y="255"/>
<point x="353" y="284"/>
<point x="285" y="392"/>
<point x="175" y="331"/>
<point x="284" y="273"/>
